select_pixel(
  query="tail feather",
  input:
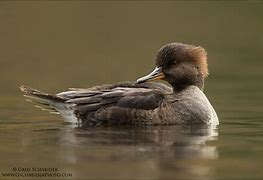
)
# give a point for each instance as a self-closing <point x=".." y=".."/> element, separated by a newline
<point x="40" y="94"/>
<point x="39" y="104"/>
<point x="51" y="103"/>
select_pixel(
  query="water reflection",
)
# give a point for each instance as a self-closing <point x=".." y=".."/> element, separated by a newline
<point x="162" y="151"/>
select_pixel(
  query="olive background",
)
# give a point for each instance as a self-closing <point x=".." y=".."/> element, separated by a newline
<point x="56" y="45"/>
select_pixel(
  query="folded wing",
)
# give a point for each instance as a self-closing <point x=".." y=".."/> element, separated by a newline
<point x="114" y="105"/>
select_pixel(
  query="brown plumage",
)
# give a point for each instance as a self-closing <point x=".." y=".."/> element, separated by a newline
<point x="183" y="52"/>
<point x="183" y="66"/>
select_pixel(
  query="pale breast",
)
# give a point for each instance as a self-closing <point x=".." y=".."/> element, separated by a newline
<point x="192" y="107"/>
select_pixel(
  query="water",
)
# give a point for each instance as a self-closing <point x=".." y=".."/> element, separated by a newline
<point x="53" y="46"/>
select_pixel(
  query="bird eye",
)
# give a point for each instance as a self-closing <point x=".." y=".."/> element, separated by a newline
<point x="174" y="62"/>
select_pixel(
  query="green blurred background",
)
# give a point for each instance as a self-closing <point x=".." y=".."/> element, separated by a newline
<point x="55" y="45"/>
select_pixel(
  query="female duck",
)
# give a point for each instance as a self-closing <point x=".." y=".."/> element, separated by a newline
<point x="183" y="66"/>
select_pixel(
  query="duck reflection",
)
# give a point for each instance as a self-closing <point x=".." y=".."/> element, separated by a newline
<point x="154" y="152"/>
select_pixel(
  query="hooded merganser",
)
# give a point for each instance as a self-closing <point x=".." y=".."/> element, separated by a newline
<point x="183" y="66"/>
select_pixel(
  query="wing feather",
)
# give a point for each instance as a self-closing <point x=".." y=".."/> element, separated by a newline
<point x="114" y="103"/>
<point x="135" y="98"/>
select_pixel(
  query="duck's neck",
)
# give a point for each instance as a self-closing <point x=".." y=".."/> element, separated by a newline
<point x="181" y="85"/>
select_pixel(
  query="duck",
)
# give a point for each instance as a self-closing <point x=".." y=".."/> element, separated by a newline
<point x="172" y="94"/>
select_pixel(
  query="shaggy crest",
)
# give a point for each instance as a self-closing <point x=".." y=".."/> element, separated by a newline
<point x="199" y="57"/>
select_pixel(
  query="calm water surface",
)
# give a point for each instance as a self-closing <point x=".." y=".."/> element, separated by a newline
<point x="88" y="43"/>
